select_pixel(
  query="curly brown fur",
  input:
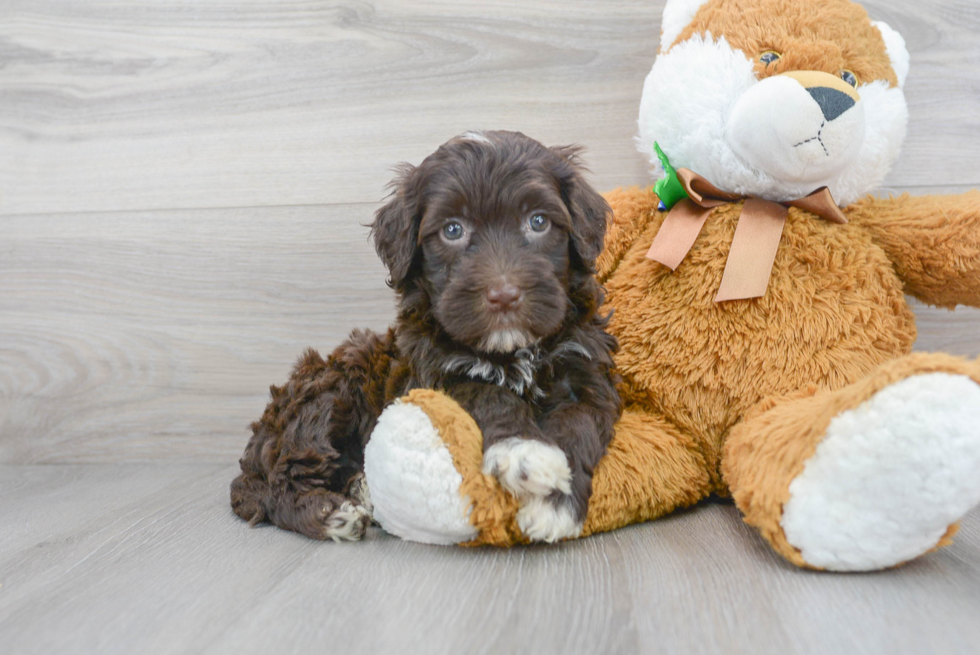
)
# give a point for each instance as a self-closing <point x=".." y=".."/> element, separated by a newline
<point x="491" y="245"/>
<point x="300" y="468"/>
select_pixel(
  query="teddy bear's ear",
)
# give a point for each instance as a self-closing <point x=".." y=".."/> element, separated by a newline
<point x="897" y="52"/>
<point x="678" y="14"/>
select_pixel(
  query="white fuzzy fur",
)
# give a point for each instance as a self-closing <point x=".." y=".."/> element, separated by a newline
<point x="518" y="375"/>
<point x="687" y="101"/>
<point x="347" y="523"/>
<point x="527" y="467"/>
<point x="678" y="14"/>
<point x="540" y="520"/>
<point x="415" y="487"/>
<point x="890" y="476"/>
<point x="897" y="52"/>
<point x="476" y="135"/>
<point x="778" y="127"/>
<point x="505" y="340"/>
<point x="533" y="471"/>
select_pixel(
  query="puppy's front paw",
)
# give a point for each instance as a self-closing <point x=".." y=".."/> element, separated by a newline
<point x="527" y="467"/>
<point x="539" y="475"/>
<point x="540" y="519"/>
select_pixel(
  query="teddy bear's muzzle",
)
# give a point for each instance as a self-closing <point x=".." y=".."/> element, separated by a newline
<point x="801" y="126"/>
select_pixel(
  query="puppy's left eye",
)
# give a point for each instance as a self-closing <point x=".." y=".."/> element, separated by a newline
<point x="452" y="231"/>
<point x="849" y="77"/>
<point x="538" y="223"/>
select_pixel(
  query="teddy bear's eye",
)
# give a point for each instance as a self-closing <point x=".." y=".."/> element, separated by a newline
<point x="769" y="57"/>
<point x="849" y="77"/>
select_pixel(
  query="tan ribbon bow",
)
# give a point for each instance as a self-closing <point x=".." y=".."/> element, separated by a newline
<point x="753" y="250"/>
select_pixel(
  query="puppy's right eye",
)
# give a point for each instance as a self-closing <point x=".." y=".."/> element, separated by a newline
<point x="538" y="223"/>
<point x="452" y="231"/>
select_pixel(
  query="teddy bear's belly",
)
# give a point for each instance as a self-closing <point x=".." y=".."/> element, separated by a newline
<point x="833" y="311"/>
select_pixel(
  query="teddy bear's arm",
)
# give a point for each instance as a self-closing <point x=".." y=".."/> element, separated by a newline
<point x="933" y="241"/>
<point x="633" y="210"/>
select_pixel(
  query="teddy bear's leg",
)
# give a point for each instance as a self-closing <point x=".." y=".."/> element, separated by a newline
<point x="865" y="477"/>
<point x="423" y="467"/>
<point x="650" y="468"/>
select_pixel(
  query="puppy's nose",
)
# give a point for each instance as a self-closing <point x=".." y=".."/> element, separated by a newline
<point x="503" y="296"/>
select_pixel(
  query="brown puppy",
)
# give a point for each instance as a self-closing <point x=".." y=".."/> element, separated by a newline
<point x="490" y="244"/>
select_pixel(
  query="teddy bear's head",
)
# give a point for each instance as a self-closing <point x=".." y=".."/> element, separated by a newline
<point x="776" y="98"/>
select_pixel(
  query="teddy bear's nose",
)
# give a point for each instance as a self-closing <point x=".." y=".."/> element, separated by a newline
<point x="832" y="102"/>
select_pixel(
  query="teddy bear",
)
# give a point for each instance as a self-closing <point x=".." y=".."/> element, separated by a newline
<point x="758" y="296"/>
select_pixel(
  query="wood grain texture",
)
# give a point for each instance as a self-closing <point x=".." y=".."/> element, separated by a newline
<point x="167" y="568"/>
<point x="132" y="337"/>
<point x="154" y="104"/>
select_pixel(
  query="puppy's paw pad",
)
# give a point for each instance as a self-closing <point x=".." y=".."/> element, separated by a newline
<point x="526" y="467"/>
<point x="347" y="523"/>
<point x="541" y="520"/>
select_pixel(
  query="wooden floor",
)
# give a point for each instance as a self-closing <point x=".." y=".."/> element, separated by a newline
<point x="147" y="558"/>
<point x="183" y="191"/>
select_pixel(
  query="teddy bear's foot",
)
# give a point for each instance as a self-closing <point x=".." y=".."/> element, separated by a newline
<point x="890" y="477"/>
<point x="865" y="477"/>
<point x="539" y="476"/>
<point x="415" y="487"/>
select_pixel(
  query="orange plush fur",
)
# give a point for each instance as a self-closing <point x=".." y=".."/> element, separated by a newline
<point x="838" y="36"/>
<point x="733" y="397"/>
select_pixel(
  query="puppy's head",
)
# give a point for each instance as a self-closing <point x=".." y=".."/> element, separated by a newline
<point x="498" y="233"/>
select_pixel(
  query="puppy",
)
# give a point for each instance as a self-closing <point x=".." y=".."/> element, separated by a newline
<point x="490" y="244"/>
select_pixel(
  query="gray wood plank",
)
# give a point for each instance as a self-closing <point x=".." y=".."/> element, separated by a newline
<point x="173" y="571"/>
<point x="133" y="337"/>
<point x="158" y="104"/>
<point x="152" y="576"/>
<point x="48" y="505"/>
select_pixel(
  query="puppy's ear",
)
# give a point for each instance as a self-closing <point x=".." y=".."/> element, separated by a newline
<point x="589" y="210"/>
<point x="396" y="225"/>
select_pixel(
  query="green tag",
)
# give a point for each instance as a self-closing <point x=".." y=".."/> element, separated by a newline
<point x="668" y="188"/>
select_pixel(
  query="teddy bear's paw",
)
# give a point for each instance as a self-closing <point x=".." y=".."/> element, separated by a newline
<point x="415" y="488"/>
<point x="890" y="476"/>
<point x="542" y="519"/>
<point x="528" y="468"/>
